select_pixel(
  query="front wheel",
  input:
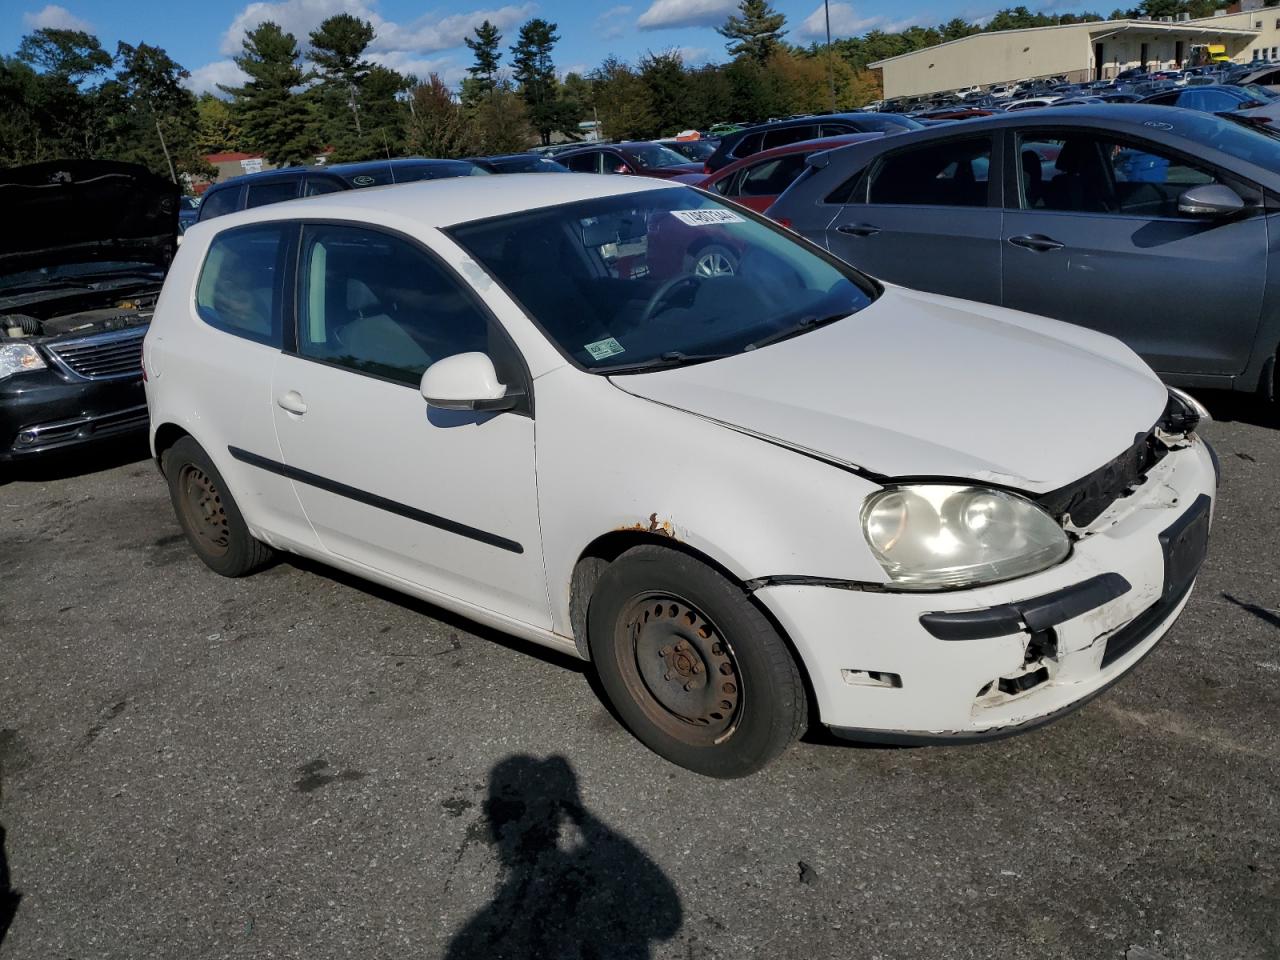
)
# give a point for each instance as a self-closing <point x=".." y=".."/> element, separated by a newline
<point x="695" y="671"/>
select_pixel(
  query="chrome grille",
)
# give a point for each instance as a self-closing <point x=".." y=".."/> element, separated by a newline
<point x="102" y="356"/>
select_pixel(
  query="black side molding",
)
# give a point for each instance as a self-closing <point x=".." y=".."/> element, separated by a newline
<point x="1033" y="615"/>
<point x="373" y="500"/>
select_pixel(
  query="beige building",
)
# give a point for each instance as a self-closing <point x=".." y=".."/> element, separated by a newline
<point x="1264" y="25"/>
<point x="1078" y="51"/>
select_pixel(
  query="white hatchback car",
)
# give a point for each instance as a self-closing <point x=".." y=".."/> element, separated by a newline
<point x="746" y="496"/>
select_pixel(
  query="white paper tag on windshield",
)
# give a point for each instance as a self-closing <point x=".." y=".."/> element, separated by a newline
<point x="603" y="348"/>
<point x="707" y="218"/>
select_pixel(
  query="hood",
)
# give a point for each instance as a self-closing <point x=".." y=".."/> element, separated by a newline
<point x="76" y="211"/>
<point x="917" y="385"/>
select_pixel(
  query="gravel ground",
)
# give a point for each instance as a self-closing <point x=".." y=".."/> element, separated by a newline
<point x="302" y="765"/>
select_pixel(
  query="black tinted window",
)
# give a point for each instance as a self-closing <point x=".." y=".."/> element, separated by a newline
<point x="219" y="202"/>
<point x="951" y="174"/>
<point x="748" y="145"/>
<point x="584" y="163"/>
<point x="381" y="305"/>
<point x="239" y="289"/>
<point x="318" y="185"/>
<point x="273" y="191"/>
<point x="770" y="178"/>
<point x="780" y="138"/>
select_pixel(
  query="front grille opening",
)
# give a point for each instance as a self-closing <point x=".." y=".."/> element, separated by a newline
<point x="102" y="359"/>
<point x="872" y="678"/>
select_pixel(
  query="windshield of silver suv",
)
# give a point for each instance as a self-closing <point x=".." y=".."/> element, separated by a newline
<point x="660" y="278"/>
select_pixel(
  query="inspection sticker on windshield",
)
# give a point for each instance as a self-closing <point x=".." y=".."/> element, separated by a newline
<point x="603" y="348"/>
<point x="707" y="218"/>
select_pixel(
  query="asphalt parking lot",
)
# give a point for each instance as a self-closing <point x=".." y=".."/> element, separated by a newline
<point x="302" y="765"/>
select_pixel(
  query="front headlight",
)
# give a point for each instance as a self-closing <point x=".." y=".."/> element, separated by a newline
<point x="936" y="536"/>
<point x="19" y="358"/>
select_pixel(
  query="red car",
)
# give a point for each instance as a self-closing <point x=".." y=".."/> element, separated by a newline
<point x="756" y="181"/>
<point x="641" y="158"/>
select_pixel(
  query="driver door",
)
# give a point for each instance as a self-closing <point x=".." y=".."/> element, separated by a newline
<point x="1095" y="238"/>
<point x="444" y="500"/>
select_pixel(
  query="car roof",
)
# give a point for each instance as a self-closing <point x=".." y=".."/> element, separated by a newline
<point x="341" y="169"/>
<point x="445" y="203"/>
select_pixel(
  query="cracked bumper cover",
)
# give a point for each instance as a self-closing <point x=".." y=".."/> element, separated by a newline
<point x="1107" y="606"/>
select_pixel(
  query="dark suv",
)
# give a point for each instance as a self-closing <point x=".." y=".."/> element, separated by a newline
<point x="289" y="183"/>
<point x="744" y="143"/>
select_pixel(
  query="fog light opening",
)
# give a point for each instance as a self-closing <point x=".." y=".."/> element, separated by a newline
<point x="872" y="678"/>
<point x="27" y="437"/>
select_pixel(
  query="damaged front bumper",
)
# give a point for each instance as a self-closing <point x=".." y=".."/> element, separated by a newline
<point x="998" y="660"/>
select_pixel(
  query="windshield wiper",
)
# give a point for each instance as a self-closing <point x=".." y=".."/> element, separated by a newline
<point x="672" y="358"/>
<point x="803" y="325"/>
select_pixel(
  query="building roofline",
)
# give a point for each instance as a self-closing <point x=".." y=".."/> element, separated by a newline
<point x="1112" y="26"/>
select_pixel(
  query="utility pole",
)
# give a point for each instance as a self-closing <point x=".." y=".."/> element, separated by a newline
<point x="831" y="65"/>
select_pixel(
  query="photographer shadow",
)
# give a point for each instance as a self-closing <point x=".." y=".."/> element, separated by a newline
<point x="572" y="887"/>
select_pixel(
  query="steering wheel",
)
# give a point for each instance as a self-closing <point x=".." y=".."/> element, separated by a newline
<point x="664" y="291"/>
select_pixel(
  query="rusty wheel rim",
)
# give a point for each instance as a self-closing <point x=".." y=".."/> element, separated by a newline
<point x="680" y="670"/>
<point x="202" y="511"/>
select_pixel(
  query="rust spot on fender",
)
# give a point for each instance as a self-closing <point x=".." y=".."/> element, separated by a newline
<point x="662" y="528"/>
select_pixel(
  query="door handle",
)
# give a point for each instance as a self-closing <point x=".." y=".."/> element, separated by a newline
<point x="858" y="229"/>
<point x="292" y="401"/>
<point x="1037" y="242"/>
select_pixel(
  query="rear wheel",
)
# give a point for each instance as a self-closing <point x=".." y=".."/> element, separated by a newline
<point x="715" y="260"/>
<point x="208" y="514"/>
<point x="693" y="668"/>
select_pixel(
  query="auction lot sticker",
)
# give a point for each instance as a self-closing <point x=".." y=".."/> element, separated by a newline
<point x="604" y="348"/>
<point x="706" y="218"/>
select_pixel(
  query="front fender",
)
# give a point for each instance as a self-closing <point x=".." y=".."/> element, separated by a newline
<point x="609" y="461"/>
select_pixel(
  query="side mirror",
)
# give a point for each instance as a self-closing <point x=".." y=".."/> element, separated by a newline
<point x="466" y="381"/>
<point x="1210" y="200"/>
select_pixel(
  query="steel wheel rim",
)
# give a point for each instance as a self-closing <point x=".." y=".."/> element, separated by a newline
<point x="680" y="669"/>
<point x="713" y="264"/>
<point x="202" y="510"/>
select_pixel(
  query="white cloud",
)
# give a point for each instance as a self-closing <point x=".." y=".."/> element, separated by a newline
<point x="56" y="17"/>
<point x="685" y="13"/>
<point x="206" y="79"/>
<point x="613" y="23"/>
<point x="692" y="56"/>
<point x="845" y="22"/>
<point x="429" y="33"/>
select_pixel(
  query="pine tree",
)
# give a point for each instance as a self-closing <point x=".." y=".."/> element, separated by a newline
<point x="485" y="47"/>
<point x="535" y="71"/>
<point x="756" y="33"/>
<point x="337" y="51"/>
<point x="272" y="116"/>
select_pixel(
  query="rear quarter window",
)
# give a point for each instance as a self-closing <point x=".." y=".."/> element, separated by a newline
<point x="216" y="203"/>
<point x="240" y="290"/>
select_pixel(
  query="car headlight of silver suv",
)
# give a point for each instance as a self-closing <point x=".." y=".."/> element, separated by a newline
<point x="937" y="536"/>
<point x="19" y="358"/>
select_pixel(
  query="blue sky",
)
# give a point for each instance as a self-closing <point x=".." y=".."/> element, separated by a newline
<point x="419" y="37"/>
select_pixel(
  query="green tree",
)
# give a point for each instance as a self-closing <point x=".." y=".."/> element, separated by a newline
<point x="66" y="54"/>
<point x="383" y="113"/>
<point x="484" y="46"/>
<point x="621" y="100"/>
<point x="274" y="117"/>
<point x="669" y="93"/>
<point x="156" y="123"/>
<point x="438" y="126"/>
<point x="337" y="53"/>
<point x="500" y="122"/>
<point x="217" y="129"/>
<point x="755" y="34"/>
<point x="535" y="72"/>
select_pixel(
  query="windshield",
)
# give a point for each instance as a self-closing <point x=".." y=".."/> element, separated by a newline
<point x="696" y="149"/>
<point x="653" y="155"/>
<point x="660" y="276"/>
<point x="529" y="164"/>
<point x="1258" y="92"/>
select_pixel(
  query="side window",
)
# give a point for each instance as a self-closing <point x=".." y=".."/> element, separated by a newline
<point x="834" y="130"/>
<point x="770" y="178"/>
<point x="727" y="186"/>
<point x="318" y="185"/>
<point x="584" y="163"/>
<point x="1210" y="101"/>
<point x="240" y="283"/>
<point x="747" y="145"/>
<point x="272" y="191"/>
<point x="1167" y="99"/>
<point x="613" y="162"/>
<point x="381" y="305"/>
<point x="780" y="138"/>
<point x="1086" y="174"/>
<point x="951" y="174"/>
<point x="216" y="203"/>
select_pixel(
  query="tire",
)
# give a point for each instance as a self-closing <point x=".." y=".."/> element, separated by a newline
<point x="207" y="513"/>
<point x="693" y="669"/>
<point x="713" y="260"/>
